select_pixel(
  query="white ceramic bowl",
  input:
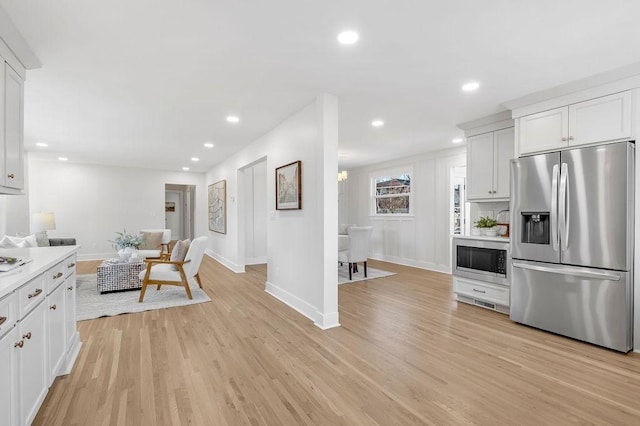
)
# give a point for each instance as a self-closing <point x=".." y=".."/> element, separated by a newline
<point x="490" y="232"/>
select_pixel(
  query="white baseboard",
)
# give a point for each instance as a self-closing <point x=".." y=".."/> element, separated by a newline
<point x="323" y="321"/>
<point x="225" y="262"/>
<point x="413" y="263"/>
<point x="260" y="260"/>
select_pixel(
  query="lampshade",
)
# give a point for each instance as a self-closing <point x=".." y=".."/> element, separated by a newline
<point x="45" y="221"/>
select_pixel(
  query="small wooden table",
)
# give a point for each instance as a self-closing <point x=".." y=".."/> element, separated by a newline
<point x="114" y="275"/>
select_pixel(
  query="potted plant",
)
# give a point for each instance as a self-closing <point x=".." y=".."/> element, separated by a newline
<point x="126" y="243"/>
<point x="486" y="225"/>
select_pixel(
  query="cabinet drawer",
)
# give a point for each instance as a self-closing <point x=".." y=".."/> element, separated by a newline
<point x="55" y="276"/>
<point x="30" y="295"/>
<point x="69" y="265"/>
<point x="8" y="313"/>
<point x="481" y="290"/>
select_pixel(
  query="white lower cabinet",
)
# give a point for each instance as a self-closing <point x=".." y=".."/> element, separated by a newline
<point x="57" y="341"/>
<point x="38" y="341"/>
<point x="8" y="373"/>
<point x="32" y="361"/>
<point x="481" y="293"/>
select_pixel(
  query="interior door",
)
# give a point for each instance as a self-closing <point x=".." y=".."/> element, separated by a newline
<point x="599" y="206"/>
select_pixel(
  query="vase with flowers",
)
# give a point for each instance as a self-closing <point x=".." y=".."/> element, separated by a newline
<point x="487" y="225"/>
<point x="127" y="244"/>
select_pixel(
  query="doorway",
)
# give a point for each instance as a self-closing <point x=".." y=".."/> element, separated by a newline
<point x="459" y="220"/>
<point x="179" y="210"/>
<point x="253" y="244"/>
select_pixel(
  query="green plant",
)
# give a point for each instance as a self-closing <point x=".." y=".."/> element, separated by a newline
<point x="485" y="222"/>
<point x="127" y="240"/>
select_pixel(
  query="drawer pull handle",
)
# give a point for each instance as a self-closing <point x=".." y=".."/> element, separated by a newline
<point x="53" y="307"/>
<point x="27" y="336"/>
<point x="58" y="275"/>
<point x="479" y="291"/>
<point x="19" y="344"/>
<point x="70" y="288"/>
<point x="3" y="320"/>
<point x="11" y="176"/>
<point x="34" y="294"/>
<point x="71" y="265"/>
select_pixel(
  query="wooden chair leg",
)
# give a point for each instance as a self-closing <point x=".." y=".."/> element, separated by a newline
<point x="350" y="271"/>
<point x="197" y="277"/>
<point x="365" y="269"/>
<point x="185" y="283"/>
<point x="145" y="281"/>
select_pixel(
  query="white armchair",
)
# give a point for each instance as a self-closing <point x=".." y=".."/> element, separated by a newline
<point x="150" y="249"/>
<point x="358" y="248"/>
<point x="182" y="273"/>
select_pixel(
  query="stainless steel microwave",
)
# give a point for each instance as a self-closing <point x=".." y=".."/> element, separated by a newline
<point x="481" y="260"/>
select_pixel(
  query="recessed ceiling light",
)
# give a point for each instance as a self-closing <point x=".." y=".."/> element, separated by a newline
<point x="377" y="123"/>
<point x="456" y="140"/>
<point x="195" y="159"/>
<point x="62" y="158"/>
<point x="208" y="145"/>
<point x="232" y="119"/>
<point x="348" y="37"/>
<point x="471" y="86"/>
<point x="186" y="169"/>
<point x="42" y="144"/>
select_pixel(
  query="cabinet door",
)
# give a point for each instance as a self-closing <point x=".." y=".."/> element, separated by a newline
<point x="8" y="370"/>
<point x="14" y="125"/>
<point x="480" y="167"/>
<point x="601" y="119"/>
<point x="56" y="333"/>
<point x="70" y="309"/>
<point x="504" y="141"/>
<point x="543" y="131"/>
<point x="32" y="360"/>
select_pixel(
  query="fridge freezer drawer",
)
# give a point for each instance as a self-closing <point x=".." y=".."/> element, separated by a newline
<point x="583" y="303"/>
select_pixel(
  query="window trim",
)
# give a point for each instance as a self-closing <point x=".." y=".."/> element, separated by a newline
<point x="408" y="170"/>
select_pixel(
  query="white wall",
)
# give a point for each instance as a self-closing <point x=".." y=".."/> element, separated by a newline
<point x="92" y="202"/>
<point x="255" y="214"/>
<point x="422" y="240"/>
<point x="301" y="244"/>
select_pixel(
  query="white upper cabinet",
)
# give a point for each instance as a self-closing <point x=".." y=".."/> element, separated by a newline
<point x="606" y="118"/>
<point x="488" y="157"/>
<point x="12" y="176"/>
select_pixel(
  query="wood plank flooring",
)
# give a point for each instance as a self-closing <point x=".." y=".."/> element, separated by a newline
<point x="407" y="353"/>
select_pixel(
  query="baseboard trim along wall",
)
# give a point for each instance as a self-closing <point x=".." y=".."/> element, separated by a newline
<point x="260" y="260"/>
<point x="445" y="269"/>
<point x="225" y="262"/>
<point x="323" y="321"/>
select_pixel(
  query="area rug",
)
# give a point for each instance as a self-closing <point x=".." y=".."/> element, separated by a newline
<point x="372" y="273"/>
<point x="91" y="304"/>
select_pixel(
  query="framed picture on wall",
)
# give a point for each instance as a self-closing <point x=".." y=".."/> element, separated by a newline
<point x="170" y="206"/>
<point x="218" y="207"/>
<point x="289" y="186"/>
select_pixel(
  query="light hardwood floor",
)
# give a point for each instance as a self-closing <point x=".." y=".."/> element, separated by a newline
<point x="406" y="354"/>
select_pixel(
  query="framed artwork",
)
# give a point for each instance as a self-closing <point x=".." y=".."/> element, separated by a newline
<point x="218" y="207"/>
<point x="169" y="206"/>
<point x="289" y="186"/>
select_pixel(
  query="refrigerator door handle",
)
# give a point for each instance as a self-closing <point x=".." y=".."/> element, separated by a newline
<point x="563" y="225"/>
<point x="569" y="271"/>
<point x="553" y="216"/>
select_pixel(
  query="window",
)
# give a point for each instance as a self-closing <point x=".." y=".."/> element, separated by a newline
<point x="392" y="194"/>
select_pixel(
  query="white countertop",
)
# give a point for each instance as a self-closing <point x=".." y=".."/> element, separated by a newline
<point x="43" y="259"/>
<point x="482" y="237"/>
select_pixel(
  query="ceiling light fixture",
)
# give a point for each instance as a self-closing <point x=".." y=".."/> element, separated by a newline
<point x="208" y="145"/>
<point x="186" y="169"/>
<point x="232" y="119"/>
<point x="42" y="144"/>
<point x="62" y="158"/>
<point x="348" y="37"/>
<point x="471" y="86"/>
<point x="456" y="140"/>
<point x="377" y="123"/>
<point x="195" y="159"/>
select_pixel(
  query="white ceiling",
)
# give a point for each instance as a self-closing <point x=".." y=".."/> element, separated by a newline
<point x="147" y="82"/>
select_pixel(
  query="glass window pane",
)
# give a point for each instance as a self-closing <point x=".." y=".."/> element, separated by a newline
<point x="392" y="205"/>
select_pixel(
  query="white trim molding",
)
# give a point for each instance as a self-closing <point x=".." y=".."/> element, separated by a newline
<point x="238" y="269"/>
<point x="322" y="321"/>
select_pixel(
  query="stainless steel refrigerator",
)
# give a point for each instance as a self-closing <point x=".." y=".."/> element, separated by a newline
<point x="572" y="216"/>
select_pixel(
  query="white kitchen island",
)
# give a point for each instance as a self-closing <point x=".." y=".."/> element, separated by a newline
<point x="38" y="335"/>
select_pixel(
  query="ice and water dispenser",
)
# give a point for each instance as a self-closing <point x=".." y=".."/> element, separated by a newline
<point x="535" y="227"/>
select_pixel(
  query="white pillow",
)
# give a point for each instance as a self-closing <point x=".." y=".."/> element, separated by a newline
<point x="29" y="241"/>
<point x="7" y="242"/>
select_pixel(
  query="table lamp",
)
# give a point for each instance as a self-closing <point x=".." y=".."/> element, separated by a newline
<point x="40" y="224"/>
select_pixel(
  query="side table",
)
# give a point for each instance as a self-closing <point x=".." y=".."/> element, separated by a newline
<point x="114" y="275"/>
